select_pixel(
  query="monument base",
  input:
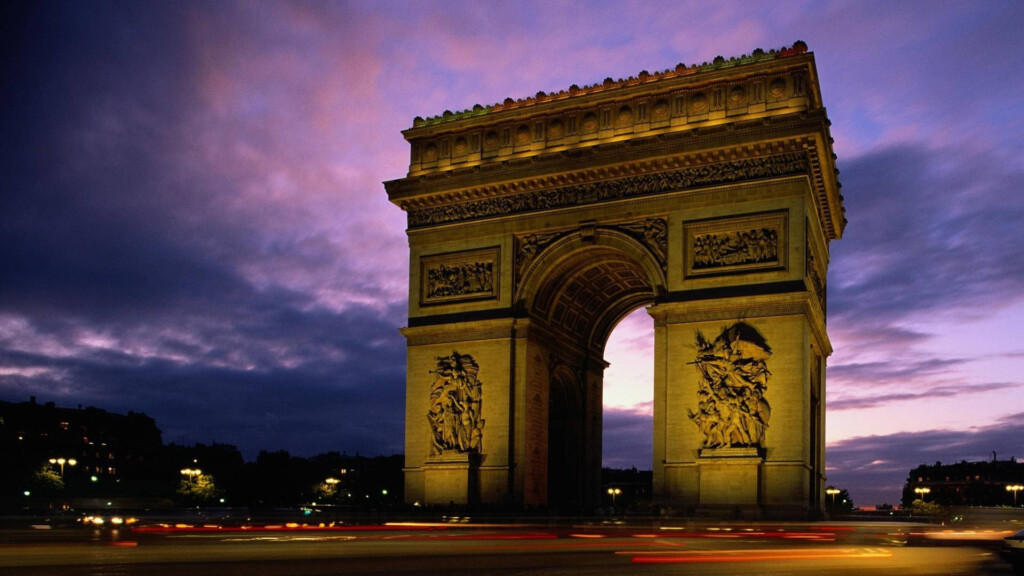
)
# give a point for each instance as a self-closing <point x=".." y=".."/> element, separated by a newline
<point x="730" y="482"/>
<point x="450" y="479"/>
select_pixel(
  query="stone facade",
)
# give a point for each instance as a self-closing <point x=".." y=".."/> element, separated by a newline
<point x="708" y="195"/>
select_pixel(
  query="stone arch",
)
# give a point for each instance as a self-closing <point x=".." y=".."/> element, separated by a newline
<point x="574" y="292"/>
<point x="604" y="269"/>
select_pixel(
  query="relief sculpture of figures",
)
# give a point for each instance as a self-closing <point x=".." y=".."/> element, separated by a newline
<point x="654" y="234"/>
<point x="460" y="279"/>
<point x="733" y="248"/>
<point x="732" y="410"/>
<point x="455" y="397"/>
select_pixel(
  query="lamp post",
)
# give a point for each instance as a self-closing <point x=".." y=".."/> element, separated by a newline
<point x="61" y="462"/>
<point x="1014" y="488"/>
<point x="833" y="491"/>
<point x="614" y="492"/>
<point x="191" y="474"/>
<point x="922" y="492"/>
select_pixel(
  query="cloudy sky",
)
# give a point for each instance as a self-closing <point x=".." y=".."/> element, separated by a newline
<point x="193" y="225"/>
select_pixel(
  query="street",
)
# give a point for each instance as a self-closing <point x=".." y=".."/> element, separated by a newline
<point x="539" y="549"/>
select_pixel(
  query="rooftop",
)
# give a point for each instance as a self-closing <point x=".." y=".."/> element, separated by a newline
<point x="719" y="63"/>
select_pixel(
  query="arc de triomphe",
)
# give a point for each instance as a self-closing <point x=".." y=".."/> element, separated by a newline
<point x="707" y="194"/>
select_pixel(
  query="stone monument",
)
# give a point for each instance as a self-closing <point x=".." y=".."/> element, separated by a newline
<point x="707" y="194"/>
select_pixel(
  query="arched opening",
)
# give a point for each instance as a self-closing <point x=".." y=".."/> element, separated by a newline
<point x="629" y="393"/>
<point x="565" y="439"/>
<point x="628" y="412"/>
<point x="577" y="297"/>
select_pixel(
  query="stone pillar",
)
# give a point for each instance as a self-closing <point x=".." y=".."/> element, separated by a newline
<point x="735" y="469"/>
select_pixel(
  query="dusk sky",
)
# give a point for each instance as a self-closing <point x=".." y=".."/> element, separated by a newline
<point x="192" y="221"/>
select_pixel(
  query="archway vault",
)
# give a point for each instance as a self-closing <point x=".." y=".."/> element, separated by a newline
<point x="707" y="195"/>
<point x="582" y="285"/>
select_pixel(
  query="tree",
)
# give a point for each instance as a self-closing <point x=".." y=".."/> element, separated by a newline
<point x="198" y="488"/>
<point x="326" y="491"/>
<point x="46" y="480"/>
<point x="922" y="508"/>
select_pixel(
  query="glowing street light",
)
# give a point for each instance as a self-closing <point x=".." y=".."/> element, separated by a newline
<point x="922" y="492"/>
<point x="1014" y="488"/>
<point x="833" y="491"/>
<point x="614" y="492"/>
<point x="62" y="462"/>
<point x="191" y="474"/>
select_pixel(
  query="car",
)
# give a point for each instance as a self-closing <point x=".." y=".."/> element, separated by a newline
<point x="1013" y="551"/>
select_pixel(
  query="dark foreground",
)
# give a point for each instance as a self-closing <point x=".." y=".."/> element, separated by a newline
<point x="527" y="549"/>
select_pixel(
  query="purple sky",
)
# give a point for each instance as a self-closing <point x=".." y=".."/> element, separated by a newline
<point x="192" y="223"/>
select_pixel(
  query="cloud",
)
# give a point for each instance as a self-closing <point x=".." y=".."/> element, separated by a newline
<point x="954" y="391"/>
<point x="874" y="468"/>
<point x="929" y="230"/>
<point x="299" y="384"/>
<point x="628" y="439"/>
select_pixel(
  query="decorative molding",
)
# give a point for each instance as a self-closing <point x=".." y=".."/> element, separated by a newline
<point x="460" y="276"/>
<point x="787" y="164"/>
<point x="455" y="400"/>
<point x="789" y="305"/>
<point x="732" y="411"/>
<point x="752" y="243"/>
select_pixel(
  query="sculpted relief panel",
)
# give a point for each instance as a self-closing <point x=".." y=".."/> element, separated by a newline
<point x="727" y="246"/>
<point x="732" y="411"/>
<point x="455" y="399"/>
<point x="754" y="246"/>
<point x="460" y="276"/>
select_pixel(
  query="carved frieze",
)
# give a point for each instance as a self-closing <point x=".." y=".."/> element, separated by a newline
<point x="754" y="246"/>
<point x="455" y="401"/>
<point x="612" y="189"/>
<point x="459" y="276"/>
<point x="727" y="246"/>
<point x="732" y="410"/>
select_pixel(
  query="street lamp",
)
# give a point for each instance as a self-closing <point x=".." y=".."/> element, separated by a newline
<point x="62" y="462"/>
<point x="614" y="492"/>
<point x="922" y="492"/>
<point x="191" y="473"/>
<point x="832" y="491"/>
<point x="1014" y="488"/>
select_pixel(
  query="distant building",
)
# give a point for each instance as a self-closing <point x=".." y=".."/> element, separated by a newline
<point x="966" y="483"/>
<point x="97" y="447"/>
